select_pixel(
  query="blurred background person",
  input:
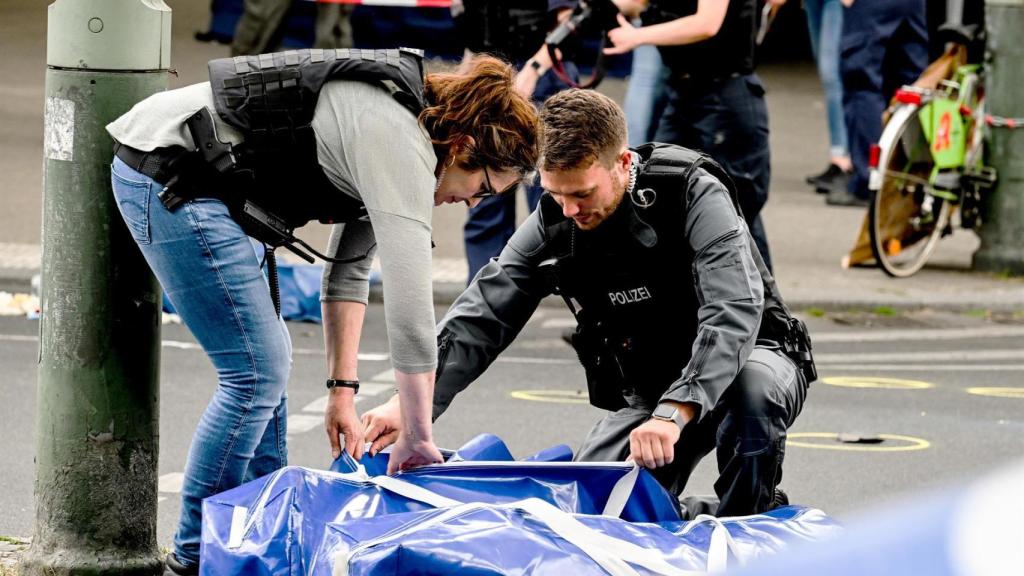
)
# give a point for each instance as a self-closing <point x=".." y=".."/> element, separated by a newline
<point x="514" y="31"/>
<point x="825" y="24"/>
<point x="884" y="46"/>
<point x="715" y="100"/>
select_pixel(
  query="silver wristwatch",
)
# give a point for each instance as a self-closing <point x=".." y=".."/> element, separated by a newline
<point x="669" y="413"/>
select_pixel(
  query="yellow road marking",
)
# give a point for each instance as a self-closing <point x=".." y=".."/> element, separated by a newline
<point x="912" y="443"/>
<point x="1006" y="392"/>
<point x="868" y="382"/>
<point x="559" y="396"/>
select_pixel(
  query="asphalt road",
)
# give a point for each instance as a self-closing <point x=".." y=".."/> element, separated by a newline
<point x="935" y="432"/>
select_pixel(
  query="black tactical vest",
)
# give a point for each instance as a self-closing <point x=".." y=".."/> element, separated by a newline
<point x="632" y="284"/>
<point x="731" y="51"/>
<point x="271" y="99"/>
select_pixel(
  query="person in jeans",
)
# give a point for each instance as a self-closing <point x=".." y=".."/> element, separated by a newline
<point x="445" y="138"/>
<point x="825" y="24"/>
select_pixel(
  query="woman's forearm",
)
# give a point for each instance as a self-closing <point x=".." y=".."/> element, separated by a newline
<point x="343" y="326"/>
<point x="700" y="26"/>
<point x="416" y="393"/>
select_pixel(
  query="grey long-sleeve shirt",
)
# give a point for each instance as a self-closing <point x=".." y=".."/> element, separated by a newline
<point x="372" y="149"/>
<point x="488" y="316"/>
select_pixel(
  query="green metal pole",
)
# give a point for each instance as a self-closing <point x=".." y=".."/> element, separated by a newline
<point x="98" y="410"/>
<point x="1002" y="234"/>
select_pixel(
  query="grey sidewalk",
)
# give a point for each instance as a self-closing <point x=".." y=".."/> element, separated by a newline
<point x="808" y="239"/>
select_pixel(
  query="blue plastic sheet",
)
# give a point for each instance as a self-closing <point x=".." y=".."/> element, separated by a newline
<point x="299" y="286"/>
<point x="479" y="513"/>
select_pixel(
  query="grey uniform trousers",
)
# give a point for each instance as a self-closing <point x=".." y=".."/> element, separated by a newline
<point x="746" y="428"/>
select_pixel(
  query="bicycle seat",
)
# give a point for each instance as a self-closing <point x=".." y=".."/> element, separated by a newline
<point x="963" y="34"/>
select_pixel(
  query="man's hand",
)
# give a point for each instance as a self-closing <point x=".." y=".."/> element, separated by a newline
<point x="340" y="419"/>
<point x="652" y="444"/>
<point x="383" y="424"/>
<point x="624" y="38"/>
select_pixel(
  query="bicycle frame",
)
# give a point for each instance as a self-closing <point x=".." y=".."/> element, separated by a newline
<point x="946" y="122"/>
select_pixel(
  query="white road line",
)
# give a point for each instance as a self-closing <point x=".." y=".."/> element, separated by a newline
<point x="171" y="483"/>
<point x="299" y="423"/>
<point x="919" y="334"/>
<point x="366" y="389"/>
<point x="937" y="355"/>
<point x="922" y="367"/>
<point x="528" y="360"/>
<point x="385" y="376"/>
<point x="559" y="323"/>
<point x="18" y="338"/>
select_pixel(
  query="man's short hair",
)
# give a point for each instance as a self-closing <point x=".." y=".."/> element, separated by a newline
<point x="578" y="127"/>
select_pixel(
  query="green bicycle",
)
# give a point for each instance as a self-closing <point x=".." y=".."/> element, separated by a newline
<point x="928" y="166"/>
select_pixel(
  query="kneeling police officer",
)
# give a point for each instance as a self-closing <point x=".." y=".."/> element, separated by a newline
<point x="681" y="330"/>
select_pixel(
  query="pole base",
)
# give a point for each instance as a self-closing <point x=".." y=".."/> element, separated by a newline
<point x="1009" y="261"/>
<point x="76" y="562"/>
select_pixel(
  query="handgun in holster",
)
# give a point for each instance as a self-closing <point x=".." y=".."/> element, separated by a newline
<point x="212" y="152"/>
<point x="797" y="346"/>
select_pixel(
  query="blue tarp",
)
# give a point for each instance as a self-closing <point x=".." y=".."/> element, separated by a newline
<point x="473" y="516"/>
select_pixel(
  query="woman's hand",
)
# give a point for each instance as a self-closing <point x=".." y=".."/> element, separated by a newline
<point x="383" y="424"/>
<point x="340" y="420"/>
<point x="410" y="453"/>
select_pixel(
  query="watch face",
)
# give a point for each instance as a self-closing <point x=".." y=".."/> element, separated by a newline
<point x="665" y="412"/>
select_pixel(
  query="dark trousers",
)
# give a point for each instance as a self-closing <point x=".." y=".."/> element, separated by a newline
<point x="884" y="46"/>
<point x="747" y="430"/>
<point x="726" y="119"/>
<point x="491" y="222"/>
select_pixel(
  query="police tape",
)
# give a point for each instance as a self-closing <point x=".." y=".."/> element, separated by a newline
<point x="400" y="3"/>
<point x="1003" y="122"/>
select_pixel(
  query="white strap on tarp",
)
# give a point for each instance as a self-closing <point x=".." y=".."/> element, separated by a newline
<point x="621" y="492"/>
<point x="720" y="545"/>
<point x="613" y="555"/>
<point x="242" y="520"/>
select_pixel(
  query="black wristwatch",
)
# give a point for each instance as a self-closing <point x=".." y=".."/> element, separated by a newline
<point x="535" y="65"/>
<point x="353" y="384"/>
<point x="669" y="413"/>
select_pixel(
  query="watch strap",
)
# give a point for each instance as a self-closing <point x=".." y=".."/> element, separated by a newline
<point x="353" y="384"/>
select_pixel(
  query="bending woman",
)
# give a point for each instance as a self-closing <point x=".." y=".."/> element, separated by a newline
<point x="473" y="137"/>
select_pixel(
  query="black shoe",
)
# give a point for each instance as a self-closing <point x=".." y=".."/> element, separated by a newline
<point x="781" y="499"/>
<point x="831" y="172"/>
<point x="843" y="197"/>
<point x="840" y="181"/>
<point x="176" y="568"/>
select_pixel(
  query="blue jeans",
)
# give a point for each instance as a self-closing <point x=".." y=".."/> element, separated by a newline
<point x="645" y="95"/>
<point x="211" y="275"/>
<point x="885" y="45"/>
<point x="491" y="222"/>
<point x="825" y="22"/>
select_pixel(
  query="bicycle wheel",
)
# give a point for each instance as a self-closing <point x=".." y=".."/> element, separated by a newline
<point x="906" y="221"/>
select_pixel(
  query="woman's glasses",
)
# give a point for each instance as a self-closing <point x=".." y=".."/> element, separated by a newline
<point x="487" y="189"/>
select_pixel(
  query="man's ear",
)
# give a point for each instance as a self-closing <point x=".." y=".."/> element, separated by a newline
<point x="625" y="159"/>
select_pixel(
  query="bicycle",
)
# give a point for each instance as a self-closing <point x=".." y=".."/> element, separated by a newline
<point x="928" y="165"/>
